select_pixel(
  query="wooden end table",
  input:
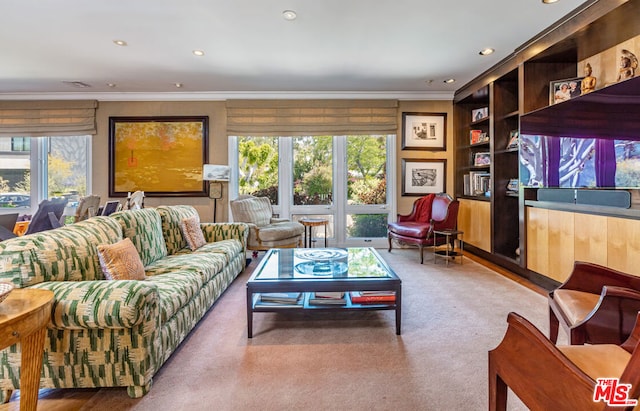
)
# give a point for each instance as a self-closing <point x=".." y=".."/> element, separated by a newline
<point x="309" y="223"/>
<point x="24" y="316"/>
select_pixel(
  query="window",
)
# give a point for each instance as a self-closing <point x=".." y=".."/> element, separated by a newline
<point x="37" y="168"/>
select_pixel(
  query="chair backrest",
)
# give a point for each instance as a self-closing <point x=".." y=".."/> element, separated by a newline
<point x="440" y="206"/>
<point x="135" y="201"/>
<point x="8" y="221"/>
<point x="87" y="207"/>
<point x="48" y="216"/>
<point x="250" y="209"/>
<point x="110" y="207"/>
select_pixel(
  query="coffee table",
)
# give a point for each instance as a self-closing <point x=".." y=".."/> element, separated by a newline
<point x="306" y="271"/>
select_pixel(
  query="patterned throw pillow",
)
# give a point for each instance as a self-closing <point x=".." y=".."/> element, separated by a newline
<point x="120" y="261"/>
<point x="192" y="233"/>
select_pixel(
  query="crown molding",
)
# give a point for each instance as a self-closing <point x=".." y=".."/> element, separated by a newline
<point x="234" y="95"/>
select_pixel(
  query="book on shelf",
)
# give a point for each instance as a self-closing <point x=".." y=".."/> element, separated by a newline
<point x="364" y="297"/>
<point x="280" y="298"/>
<point x="320" y="298"/>
<point x="477" y="137"/>
<point x="479" y="182"/>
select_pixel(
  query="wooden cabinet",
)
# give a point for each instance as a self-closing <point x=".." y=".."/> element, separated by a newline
<point x="474" y="218"/>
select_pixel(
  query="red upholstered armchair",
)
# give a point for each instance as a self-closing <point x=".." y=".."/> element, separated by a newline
<point x="431" y="212"/>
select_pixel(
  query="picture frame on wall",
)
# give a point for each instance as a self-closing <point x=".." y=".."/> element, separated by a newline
<point x="564" y="90"/>
<point x="424" y="131"/>
<point x="162" y="156"/>
<point x="421" y="176"/>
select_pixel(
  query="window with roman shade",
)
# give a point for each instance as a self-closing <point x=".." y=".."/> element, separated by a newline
<point x="311" y="117"/>
<point x="48" y="118"/>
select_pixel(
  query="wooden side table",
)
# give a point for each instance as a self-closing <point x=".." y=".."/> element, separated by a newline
<point x="309" y="223"/>
<point x="24" y="316"/>
<point x="446" y="253"/>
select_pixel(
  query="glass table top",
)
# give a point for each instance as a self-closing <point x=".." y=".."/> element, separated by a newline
<point x="322" y="263"/>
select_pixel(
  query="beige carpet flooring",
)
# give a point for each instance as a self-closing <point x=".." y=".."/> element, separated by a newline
<point x="451" y="317"/>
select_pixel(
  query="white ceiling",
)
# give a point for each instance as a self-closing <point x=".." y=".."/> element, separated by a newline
<point x="334" y="47"/>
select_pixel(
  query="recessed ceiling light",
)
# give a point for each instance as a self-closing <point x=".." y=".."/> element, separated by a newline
<point x="78" y="84"/>
<point x="450" y="80"/>
<point x="120" y="42"/>
<point x="198" y="52"/>
<point x="112" y="85"/>
<point x="289" y="15"/>
<point x="178" y="85"/>
<point x="487" y="51"/>
<point x="549" y="1"/>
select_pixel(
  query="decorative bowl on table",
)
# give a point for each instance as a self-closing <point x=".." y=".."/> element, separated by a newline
<point x="5" y="289"/>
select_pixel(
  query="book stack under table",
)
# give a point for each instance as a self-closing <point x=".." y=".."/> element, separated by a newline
<point x="372" y="297"/>
<point x="280" y="300"/>
<point x="319" y="298"/>
<point x="327" y="297"/>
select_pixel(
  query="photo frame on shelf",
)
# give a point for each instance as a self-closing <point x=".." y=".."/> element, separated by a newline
<point x="481" y="159"/>
<point x="479" y="114"/>
<point x="420" y="176"/>
<point x="424" y="131"/>
<point x="564" y="90"/>
<point x="162" y="156"/>
<point x="514" y="140"/>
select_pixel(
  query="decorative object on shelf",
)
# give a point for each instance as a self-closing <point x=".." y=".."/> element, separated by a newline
<point x="420" y="176"/>
<point x="628" y="65"/>
<point x="424" y="131"/>
<point x="162" y="156"/>
<point x="478" y="137"/>
<point x="513" y="185"/>
<point x="514" y="140"/>
<point x="479" y="114"/>
<point x="5" y="289"/>
<point x="563" y="90"/>
<point x="482" y="159"/>
<point x="479" y="183"/>
<point x="588" y="83"/>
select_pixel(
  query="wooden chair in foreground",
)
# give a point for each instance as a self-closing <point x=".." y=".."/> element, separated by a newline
<point x="431" y="212"/>
<point x="596" y="305"/>
<point x="560" y="378"/>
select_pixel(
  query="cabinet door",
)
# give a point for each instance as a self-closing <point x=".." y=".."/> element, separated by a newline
<point x="474" y="218"/>
<point x="623" y="245"/>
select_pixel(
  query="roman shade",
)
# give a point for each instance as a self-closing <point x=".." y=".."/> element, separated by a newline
<point x="47" y="118"/>
<point x="311" y="117"/>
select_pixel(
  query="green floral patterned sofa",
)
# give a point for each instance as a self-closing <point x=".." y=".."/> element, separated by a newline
<point x="119" y="333"/>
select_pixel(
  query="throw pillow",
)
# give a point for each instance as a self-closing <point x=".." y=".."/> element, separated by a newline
<point x="192" y="233"/>
<point x="120" y="261"/>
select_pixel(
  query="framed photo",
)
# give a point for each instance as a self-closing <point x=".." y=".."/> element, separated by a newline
<point x="162" y="156"/>
<point x="563" y="90"/>
<point x="479" y="114"/>
<point x="424" y="131"/>
<point x="481" y="159"/>
<point x="420" y="177"/>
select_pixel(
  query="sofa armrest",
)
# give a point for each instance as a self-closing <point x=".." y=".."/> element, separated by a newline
<point x="101" y="303"/>
<point x="226" y="231"/>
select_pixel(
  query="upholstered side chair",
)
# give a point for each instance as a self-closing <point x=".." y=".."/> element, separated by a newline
<point x="595" y="305"/>
<point x="265" y="231"/>
<point x="431" y="212"/>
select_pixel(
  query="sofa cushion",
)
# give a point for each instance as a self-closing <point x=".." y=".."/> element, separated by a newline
<point x="171" y="217"/>
<point x="278" y="231"/>
<point x="207" y="265"/>
<point x="176" y="289"/>
<point x="64" y="254"/>
<point x="192" y="233"/>
<point x="410" y="229"/>
<point x="256" y="210"/>
<point x="120" y="261"/>
<point x="144" y="228"/>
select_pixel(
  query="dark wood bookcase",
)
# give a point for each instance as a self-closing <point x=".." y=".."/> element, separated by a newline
<point x="513" y="89"/>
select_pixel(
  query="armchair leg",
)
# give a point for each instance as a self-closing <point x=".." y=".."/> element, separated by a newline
<point x="421" y="254"/>
<point x="389" y="238"/>
<point x="553" y="326"/>
<point x="497" y="390"/>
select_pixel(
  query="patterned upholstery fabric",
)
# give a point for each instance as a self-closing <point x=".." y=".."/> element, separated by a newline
<point x="143" y="228"/>
<point x="171" y="217"/>
<point x="192" y="232"/>
<point x="256" y="210"/>
<point x="117" y="333"/>
<point x="120" y="261"/>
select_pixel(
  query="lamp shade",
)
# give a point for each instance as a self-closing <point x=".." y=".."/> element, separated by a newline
<point x="212" y="172"/>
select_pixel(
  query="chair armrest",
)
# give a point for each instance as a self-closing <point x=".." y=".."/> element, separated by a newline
<point x="536" y="370"/>
<point x="225" y="231"/>
<point x="278" y="220"/>
<point x="102" y="304"/>
<point x="591" y="278"/>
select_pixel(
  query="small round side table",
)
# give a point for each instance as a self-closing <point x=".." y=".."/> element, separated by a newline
<point x="309" y="223"/>
<point x="24" y="316"/>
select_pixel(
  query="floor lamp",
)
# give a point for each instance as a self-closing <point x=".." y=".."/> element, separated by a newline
<point x="215" y="175"/>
